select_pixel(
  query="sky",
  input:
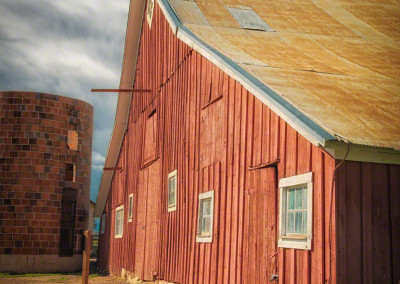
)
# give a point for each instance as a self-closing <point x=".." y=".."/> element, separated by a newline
<point x="66" y="47"/>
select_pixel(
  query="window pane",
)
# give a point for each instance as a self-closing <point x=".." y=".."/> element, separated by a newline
<point x="290" y="224"/>
<point x="130" y="206"/>
<point x="117" y="223"/>
<point x="305" y="197"/>
<point x="299" y="222"/>
<point x="208" y="225"/>
<point x="206" y="207"/>
<point x="205" y="216"/>
<point x="304" y="230"/>
<point x="299" y="198"/>
<point x="171" y="198"/>
<point x="291" y="198"/>
<point x="121" y="221"/>
<point x="171" y="191"/>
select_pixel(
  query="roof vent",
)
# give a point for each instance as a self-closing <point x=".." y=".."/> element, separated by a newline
<point x="248" y="19"/>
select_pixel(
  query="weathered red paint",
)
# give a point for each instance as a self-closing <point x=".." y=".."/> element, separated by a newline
<point x="368" y="196"/>
<point x="212" y="130"/>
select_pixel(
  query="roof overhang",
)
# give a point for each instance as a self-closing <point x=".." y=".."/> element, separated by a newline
<point x="132" y="41"/>
<point x="362" y="153"/>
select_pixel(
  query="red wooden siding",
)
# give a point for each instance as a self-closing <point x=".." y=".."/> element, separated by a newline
<point x="212" y="131"/>
<point x="368" y="228"/>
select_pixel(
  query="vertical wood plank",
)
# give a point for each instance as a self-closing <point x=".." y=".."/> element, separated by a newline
<point x="381" y="222"/>
<point x="394" y="176"/>
<point x="353" y="210"/>
<point x="366" y="207"/>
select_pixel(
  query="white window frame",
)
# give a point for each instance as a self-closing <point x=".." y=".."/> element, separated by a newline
<point x="103" y="224"/>
<point x="288" y="241"/>
<point x="171" y="175"/>
<point x="130" y="207"/>
<point x="199" y="237"/>
<point x="119" y="208"/>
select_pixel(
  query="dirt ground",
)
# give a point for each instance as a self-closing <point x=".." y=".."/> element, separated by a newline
<point x="61" y="278"/>
<point x="75" y="278"/>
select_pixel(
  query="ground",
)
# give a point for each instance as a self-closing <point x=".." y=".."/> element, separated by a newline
<point x="75" y="278"/>
<point x="57" y="278"/>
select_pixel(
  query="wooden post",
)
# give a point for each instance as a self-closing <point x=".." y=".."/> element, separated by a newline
<point x="86" y="257"/>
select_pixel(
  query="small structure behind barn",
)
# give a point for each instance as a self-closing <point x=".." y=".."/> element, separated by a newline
<point x="266" y="150"/>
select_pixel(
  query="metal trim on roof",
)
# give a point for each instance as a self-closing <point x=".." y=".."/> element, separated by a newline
<point x="299" y="121"/>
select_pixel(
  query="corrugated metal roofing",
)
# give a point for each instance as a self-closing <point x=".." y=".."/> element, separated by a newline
<point x="338" y="62"/>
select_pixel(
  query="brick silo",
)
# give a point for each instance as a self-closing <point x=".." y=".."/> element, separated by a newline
<point x="45" y="165"/>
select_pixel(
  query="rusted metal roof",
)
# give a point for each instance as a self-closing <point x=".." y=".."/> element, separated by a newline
<point x="337" y="62"/>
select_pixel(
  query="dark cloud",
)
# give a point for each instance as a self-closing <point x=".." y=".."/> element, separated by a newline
<point x="66" y="48"/>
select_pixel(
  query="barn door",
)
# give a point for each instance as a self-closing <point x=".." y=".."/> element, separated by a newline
<point x="261" y="226"/>
<point x="148" y="223"/>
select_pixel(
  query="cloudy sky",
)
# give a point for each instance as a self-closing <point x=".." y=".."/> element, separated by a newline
<point x="66" y="47"/>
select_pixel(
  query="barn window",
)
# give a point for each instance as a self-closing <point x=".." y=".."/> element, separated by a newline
<point x="150" y="139"/>
<point x="103" y="223"/>
<point x="172" y="184"/>
<point x="119" y="221"/>
<point x="205" y="218"/>
<point x="295" y="212"/>
<point x="149" y="12"/>
<point x="130" y="209"/>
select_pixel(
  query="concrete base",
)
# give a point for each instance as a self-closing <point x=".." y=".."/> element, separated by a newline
<point x="39" y="263"/>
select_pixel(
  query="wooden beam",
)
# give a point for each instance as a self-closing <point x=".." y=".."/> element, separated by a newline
<point x="112" y="169"/>
<point x="121" y="90"/>
<point x="86" y="257"/>
<point x="266" y="165"/>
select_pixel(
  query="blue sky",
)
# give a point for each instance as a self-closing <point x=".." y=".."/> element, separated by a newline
<point x="66" y="47"/>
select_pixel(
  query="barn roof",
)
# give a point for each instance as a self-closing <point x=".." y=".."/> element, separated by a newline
<point x="337" y="62"/>
<point x="331" y="69"/>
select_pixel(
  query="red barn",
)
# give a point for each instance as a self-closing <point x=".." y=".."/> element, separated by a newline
<point x="266" y="149"/>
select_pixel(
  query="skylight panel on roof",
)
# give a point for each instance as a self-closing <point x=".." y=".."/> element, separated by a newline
<point x="248" y="19"/>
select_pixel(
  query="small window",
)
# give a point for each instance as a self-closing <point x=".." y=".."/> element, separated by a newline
<point x="172" y="183"/>
<point x="130" y="211"/>
<point x="295" y="212"/>
<point x="103" y="223"/>
<point x="149" y="12"/>
<point x="205" y="219"/>
<point x="119" y="221"/>
<point x="72" y="141"/>
<point x="70" y="172"/>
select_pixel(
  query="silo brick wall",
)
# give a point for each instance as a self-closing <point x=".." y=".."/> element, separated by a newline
<point x="33" y="158"/>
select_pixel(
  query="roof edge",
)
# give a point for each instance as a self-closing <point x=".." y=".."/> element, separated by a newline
<point x="362" y="153"/>
<point x="132" y="42"/>
<point x="293" y="116"/>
